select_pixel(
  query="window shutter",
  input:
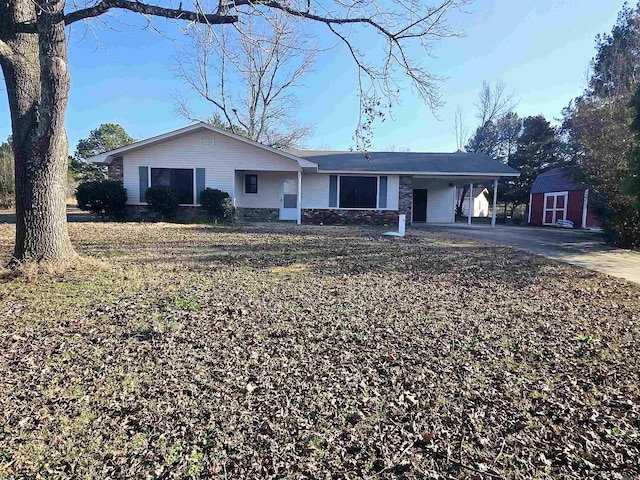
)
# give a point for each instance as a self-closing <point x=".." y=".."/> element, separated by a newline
<point x="199" y="183"/>
<point x="144" y="182"/>
<point x="333" y="191"/>
<point x="382" y="201"/>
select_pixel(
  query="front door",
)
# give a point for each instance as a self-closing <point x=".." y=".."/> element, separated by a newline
<point x="419" y="205"/>
<point x="289" y="199"/>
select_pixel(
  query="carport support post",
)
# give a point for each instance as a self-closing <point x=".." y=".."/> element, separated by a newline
<point x="299" y="219"/>
<point x="495" y="203"/>
<point x="470" y="212"/>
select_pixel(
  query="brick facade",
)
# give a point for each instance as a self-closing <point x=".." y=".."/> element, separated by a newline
<point x="114" y="169"/>
<point x="349" y="217"/>
<point x="405" y="200"/>
<point x="257" y="214"/>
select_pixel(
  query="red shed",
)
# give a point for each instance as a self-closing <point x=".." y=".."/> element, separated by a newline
<point x="556" y="196"/>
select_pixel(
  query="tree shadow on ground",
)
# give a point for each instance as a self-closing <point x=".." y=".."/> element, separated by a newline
<point x="74" y="214"/>
<point x="333" y="251"/>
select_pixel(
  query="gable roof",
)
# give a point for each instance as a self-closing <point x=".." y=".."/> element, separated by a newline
<point x="312" y="161"/>
<point x="555" y="180"/>
<point x="477" y="191"/>
<point x="107" y="157"/>
<point x="462" y="164"/>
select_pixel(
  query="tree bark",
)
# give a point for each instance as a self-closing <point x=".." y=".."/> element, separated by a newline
<point x="37" y="79"/>
<point x="33" y="56"/>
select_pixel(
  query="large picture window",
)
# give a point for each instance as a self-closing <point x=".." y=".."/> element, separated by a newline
<point x="358" y="192"/>
<point x="179" y="178"/>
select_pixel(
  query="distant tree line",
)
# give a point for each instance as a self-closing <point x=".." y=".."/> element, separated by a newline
<point x="598" y="140"/>
<point x="601" y="129"/>
<point x="530" y="144"/>
<point x="7" y="179"/>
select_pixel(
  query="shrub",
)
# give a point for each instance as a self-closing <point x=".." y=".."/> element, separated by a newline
<point x="217" y="203"/>
<point x="103" y="197"/>
<point x="163" y="200"/>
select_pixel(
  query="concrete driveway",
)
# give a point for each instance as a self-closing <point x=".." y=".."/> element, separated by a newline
<point x="584" y="249"/>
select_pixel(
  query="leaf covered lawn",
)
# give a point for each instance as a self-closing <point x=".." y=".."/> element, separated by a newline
<point x="195" y="352"/>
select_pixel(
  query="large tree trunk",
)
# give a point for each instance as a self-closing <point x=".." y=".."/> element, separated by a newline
<point x="37" y="80"/>
<point x="465" y="189"/>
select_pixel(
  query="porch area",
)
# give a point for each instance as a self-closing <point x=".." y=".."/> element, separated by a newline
<point x="267" y="196"/>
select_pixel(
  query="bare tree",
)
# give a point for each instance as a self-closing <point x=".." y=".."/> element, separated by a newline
<point x="34" y="59"/>
<point x="493" y="109"/>
<point x="494" y="102"/>
<point x="248" y="73"/>
<point x="460" y="130"/>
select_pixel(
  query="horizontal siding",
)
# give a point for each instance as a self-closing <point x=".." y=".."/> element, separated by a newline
<point x="219" y="161"/>
<point x="480" y="206"/>
<point x="441" y="199"/>
<point x="441" y="205"/>
<point x="393" y="189"/>
<point x="315" y="191"/>
<point x="269" y="187"/>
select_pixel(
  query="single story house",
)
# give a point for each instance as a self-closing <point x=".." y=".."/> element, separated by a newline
<point x="329" y="187"/>
<point x="556" y="196"/>
<point x="478" y="197"/>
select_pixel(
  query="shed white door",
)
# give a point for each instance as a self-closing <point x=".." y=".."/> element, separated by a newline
<point x="555" y="207"/>
<point x="289" y="199"/>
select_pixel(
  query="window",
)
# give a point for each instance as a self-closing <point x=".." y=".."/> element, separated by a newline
<point x="358" y="192"/>
<point x="179" y="178"/>
<point x="251" y="183"/>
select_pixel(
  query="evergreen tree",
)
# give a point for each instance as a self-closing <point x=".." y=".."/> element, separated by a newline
<point x="107" y="136"/>
<point x="538" y="149"/>
<point x="597" y="126"/>
<point x="7" y="181"/>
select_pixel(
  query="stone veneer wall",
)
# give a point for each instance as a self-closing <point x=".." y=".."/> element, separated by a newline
<point x="349" y="217"/>
<point x="114" y="169"/>
<point x="257" y="214"/>
<point x="141" y="213"/>
<point x="405" y="200"/>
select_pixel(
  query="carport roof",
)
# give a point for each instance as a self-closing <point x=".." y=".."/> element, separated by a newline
<point x="454" y="164"/>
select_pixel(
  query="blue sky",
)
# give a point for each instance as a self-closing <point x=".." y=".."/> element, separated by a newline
<point x="540" y="49"/>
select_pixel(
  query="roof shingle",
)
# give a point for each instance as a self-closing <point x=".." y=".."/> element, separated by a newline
<point x="409" y="162"/>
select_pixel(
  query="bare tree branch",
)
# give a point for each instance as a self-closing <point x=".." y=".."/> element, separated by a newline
<point x="494" y="102"/>
<point x="106" y="5"/>
<point x="248" y="74"/>
<point x="460" y="130"/>
<point x="308" y="15"/>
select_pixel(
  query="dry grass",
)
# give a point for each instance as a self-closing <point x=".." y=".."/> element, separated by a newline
<point x="194" y="352"/>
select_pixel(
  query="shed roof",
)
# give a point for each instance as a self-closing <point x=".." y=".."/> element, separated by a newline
<point x="478" y="190"/>
<point x="407" y="162"/>
<point x="555" y="180"/>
